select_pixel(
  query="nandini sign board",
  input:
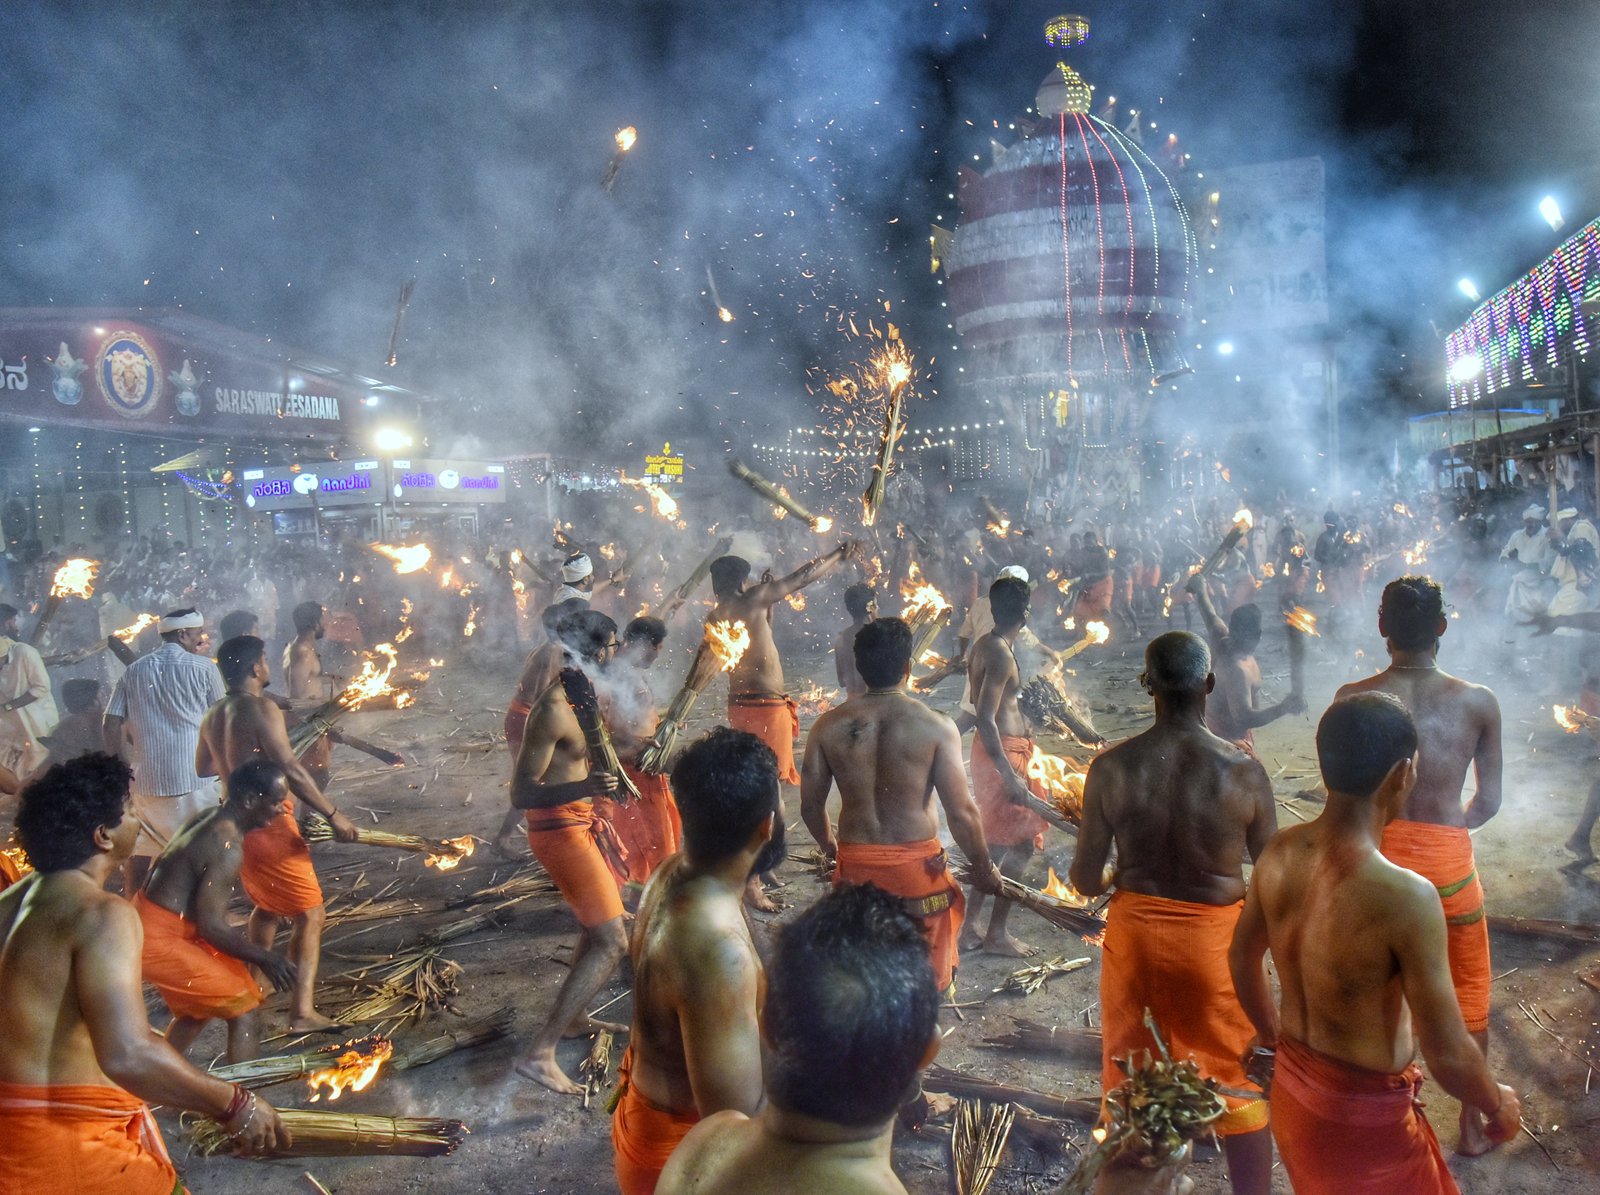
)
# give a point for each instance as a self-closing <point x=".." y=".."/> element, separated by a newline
<point x="426" y="482"/>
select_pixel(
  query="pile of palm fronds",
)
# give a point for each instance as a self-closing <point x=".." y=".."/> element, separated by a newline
<point x="1073" y="918"/>
<point x="977" y="1142"/>
<point x="346" y="1135"/>
<point x="596" y="1066"/>
<point x="1030" y="979"/>
<point x="1050" y="1039"/>
<point x="524" y="884"/>
<point x="376" y="908"/>
<point x="474" y="1033"/>
<point x="815" y="861"/>
<point x="1154" y="1114"/>
<point x="282" y="1068"/>
<point x="404" y="988"/>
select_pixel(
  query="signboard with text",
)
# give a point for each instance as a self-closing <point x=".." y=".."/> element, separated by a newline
<point x="325" y="483"/>
<point x="432" y="481"/>
<point x="664" y="467"/>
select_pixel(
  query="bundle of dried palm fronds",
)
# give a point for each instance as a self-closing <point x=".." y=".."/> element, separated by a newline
<point x="346" y="1135"/>
<point x="1030" y="979"/>
<point x="1047" y="706"/>
<point x="474" y="1033"/>
<point x="1064" y="819"/>
<point x="1073" y="918"/>
<point x="1048" y="1103"/>
<point x="405" y="988"/>
<point x="1160" y="1108"/>
<point x="524" y="884"/>
<point x="596" y="1066"/>
<point x="815" y="861"/>
<point x="1050" y="1039"/>
<point x="444" y="852"/>
<point x="450" y="931"/>
<point x="976" y="1143"/>
<point x="579" y="690"/>
<point x="282" y="1068"/>
<point x="377" y="908"/>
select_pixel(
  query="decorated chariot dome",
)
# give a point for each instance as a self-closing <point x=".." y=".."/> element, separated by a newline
<point x="1070" y="272"/>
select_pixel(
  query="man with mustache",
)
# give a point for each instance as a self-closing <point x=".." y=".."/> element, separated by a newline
<point x="695" y="1046"/>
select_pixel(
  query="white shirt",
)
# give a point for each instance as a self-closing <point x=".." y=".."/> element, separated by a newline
<point x="22" y="672"/>
<point x="1532" y="551"/>
<point x="163" y="696"/>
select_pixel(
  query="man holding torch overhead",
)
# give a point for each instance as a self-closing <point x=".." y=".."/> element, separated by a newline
<point x="276" y="870"/>
<point x="1232" y="711"/>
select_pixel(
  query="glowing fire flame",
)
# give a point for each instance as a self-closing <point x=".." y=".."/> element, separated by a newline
<point x="1058" y="889"/>
<point x="355" y="1069"/>
<point x="75" y="578"/>
<point x="1269" y="571"/>
<point x="729" y="641"/>
<point x="406" y="559"/>
<point x="453" y="851"/>
<point x="662" y="504"/>
<point x="796" y="600"/>
<point x="1570" y="718"/>
<point x="472" y="621"/>
<point x="1303" y="621"/>
<point x="1096" y="632"/>
<point x="823" y="525"/>
<point x="1416" y="554"/>
<point x="1243" y="519"/>
<point x="725" y="315"/>
<point x="1062" y="781"/>
<point x="131" y="632"/>
<point x="891" y="366"/>
<point x="816" y="700"/>
<point x="922" y="599"/>
<point x="373" y="681"/>
<point x="625" y="138"/>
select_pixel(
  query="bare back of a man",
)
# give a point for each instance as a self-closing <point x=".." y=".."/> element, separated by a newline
<point x="888" y="753"/>
<point x="236" y="730"/>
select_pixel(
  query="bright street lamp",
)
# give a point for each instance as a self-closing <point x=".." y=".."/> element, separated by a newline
<point x="1551" y="211"/>
<point x="1468" y="288"/>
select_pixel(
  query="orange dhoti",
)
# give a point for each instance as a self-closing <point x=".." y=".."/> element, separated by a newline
<point x="516" y="722"/>
<point x="10" y="873"/>
<point x="1094" y="602"/>
<point x="917" y="872"/>
<point x="1345" y="1130"/>
<point x="775" y="720"/>
<point x="1006" y="824"/>
<point x="81" y="1138"/>
<point x="276" y="870"/>
<point x="1442" y="855"/>
<point x="649" y="827"/>
<point x="643" y="1134"/>
<point x="1171" y="956"/>
<point x="196" y="979"/>
<point x="566" y="839"/>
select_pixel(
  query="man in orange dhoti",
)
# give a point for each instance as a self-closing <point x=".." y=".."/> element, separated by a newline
<point x="539" y="672"/>
<point x="197" y="961"/>
<point x="78" y="1061"/>
<point x="1000" y="753"/>
<point x="889" y="754"/>
<point x="1459" y="724"/>
<point x="648" y="827"/>
<point x="1345" y="1110"/>
<point x="695" y="1048"/>
<point x="1182" y="806"/>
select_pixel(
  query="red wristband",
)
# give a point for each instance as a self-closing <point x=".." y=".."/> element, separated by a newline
<point x="240" y="1098"/>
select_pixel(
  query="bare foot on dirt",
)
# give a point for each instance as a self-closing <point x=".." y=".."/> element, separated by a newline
<point x="755" y="895"/>
<point x="1009" y="947"/>
<point x="1474" y="1141"/>
<point x="511" y="847"/>
<point x="544" y="1071"/>
<point x="1581" y="848"/>
<point x="316" y="1023"/>
<point x="971" y="941"/>
<point x="584" y="1026"/>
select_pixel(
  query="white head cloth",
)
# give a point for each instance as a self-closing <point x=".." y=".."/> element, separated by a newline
<point x="1567" y="512"/>
<point x="1534" y="512"/>
<point x="1012" y="570"/>
<point x="576" y="568"/>
<point x="181" y="622"/>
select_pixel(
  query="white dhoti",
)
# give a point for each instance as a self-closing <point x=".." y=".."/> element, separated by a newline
<point x="163" y="817"/>
<point x="1527" y="596"/>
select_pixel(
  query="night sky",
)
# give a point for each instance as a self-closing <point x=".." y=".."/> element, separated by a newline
<point x="284" y="168"/>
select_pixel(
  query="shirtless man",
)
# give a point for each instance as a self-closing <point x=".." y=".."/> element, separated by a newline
<point x="1000" y="753"/>
<point x="1458" y="725"/>
<point x="849" y="981"/>
<point x="192" y="954"/>
<point x="1182" y="807"/>
<point x="862" y="607"/>
<point x="1233" y="712"/>
<point x="889" y="754"/>
<point x="553" y="784"/>
<point x="78" y="1059"/>
<point x="648" y="827"/>
<point x="1344" y="1093"/>
<point x="302" y="671"/>
<point x="696" y="1048"/>
<point x="276" y="868"/>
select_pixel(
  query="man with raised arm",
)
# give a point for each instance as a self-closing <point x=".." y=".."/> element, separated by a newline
<point x="79" y="1063"/>
<point x="1182" y="807"/>
<point x="1233" y="711"/>
<point x="1458" y="726"/>
<point x="275" y="870"/>
<point x="192" y="955"/>
<point x="1359" y="946"/>
<point x="649" y="827"/>
<point x="553" y="784"/>
<point x="890" y="754"/>
<point x="1000" y="753"/>
<point x="695" y="1048"/>
<point x="862" y="607"/>
<point x="850" y="1019"/>
<point x="302" y="674"/>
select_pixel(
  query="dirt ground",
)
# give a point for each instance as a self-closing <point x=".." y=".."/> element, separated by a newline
<point x="525" y="1139"/>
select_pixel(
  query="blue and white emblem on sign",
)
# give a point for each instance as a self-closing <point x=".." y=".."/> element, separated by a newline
<point x="129" y="375"/>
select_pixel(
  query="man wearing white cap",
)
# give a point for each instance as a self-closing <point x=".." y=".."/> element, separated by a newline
<point x="1529" y="552"/>
<point x="158" y="705"/>
<point x="577" y="579"/>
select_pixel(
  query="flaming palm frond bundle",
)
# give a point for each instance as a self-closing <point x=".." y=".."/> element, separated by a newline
<point x="1029" y="980"/>
<point x="1155" y="1113"/>
<point x="283" y="1068"/>
<point x="1072" y="918"/>
<point x="474" y="1033"/>
<point x="347" y="1135"/>
<point x="977" y="1142"/>
<point x="1050" y="1039"/>
<point x="1047" y="705"/>
<point x="663" y="745"/>
<point x="317" y="830"/>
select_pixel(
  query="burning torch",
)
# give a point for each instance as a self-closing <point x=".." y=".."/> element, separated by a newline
<point x="894" y="368"/>
<point x="75" y="578"/>
<point x="722" y="648"/>
<point x="624" y="139"/>
<point x="1242" y="522"/>
<point x="683" y="593"/>
<point x="778" y="496"/>
<point x="1298" y="625"/>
